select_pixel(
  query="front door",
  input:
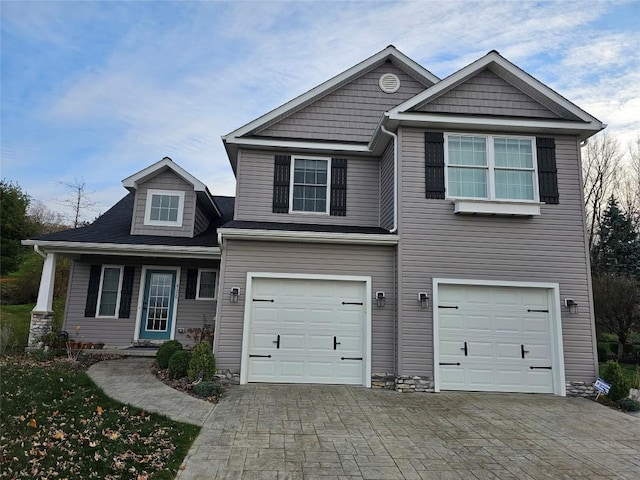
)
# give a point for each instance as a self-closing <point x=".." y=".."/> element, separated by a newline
<point x="157" y="306"/>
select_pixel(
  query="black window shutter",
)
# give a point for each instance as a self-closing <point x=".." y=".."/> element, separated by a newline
<point x="92" y="291"/>
<point x="338" y="205"/>
<point x="547" y="171"/>
<point x="126" y="292"/>
<point x="434" y="164"/>
<point x="192" y="283"/>
<point x="281" y="177"/>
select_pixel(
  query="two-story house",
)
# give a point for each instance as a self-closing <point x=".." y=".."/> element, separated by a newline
<point x="387" y="224"/>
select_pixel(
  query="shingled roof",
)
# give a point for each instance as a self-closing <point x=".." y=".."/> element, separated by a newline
<point x="114" y="227"/>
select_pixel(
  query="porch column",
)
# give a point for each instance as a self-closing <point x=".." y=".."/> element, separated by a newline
<point x="42" y="313"/>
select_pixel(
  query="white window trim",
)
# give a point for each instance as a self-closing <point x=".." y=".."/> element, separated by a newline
<point x="117" y="309"/>
<point x="200" y="270"/>
<point x="164" y="223"/>
<point x="490" y="167"/>
<point x="291" y="184"/>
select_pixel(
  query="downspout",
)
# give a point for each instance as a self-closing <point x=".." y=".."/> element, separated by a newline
<point x="36" y="249"/>
<point x="395" y="178"/>
<point x="394" y="230"/>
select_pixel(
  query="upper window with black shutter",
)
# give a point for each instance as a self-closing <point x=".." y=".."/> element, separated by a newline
<point x="495" y="174"/>
<point x="310" y="184"/>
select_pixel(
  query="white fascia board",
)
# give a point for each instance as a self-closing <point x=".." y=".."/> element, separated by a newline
<point x="121" y="249"/>
<point x="299" y="145"/>
<point x="308" y="237"/>
<point x="464" y="121"/>
<point x="388" y="53"/>
<point x="492" y="57"/>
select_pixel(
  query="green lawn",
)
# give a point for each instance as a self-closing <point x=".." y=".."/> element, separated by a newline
<point x="56" y="423"/>
<point x="15" y="321"/>
<point x="628" y="370"/>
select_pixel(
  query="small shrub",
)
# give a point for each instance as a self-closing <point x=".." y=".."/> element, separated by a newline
<point x="41" y="355"/>
<point x="608" y="337"/>
<point x="629" y="405"/>
<point x="208" y="389"/>
<point x="179" y="364"/>
<point x="166" y="351"/>
<point x="612" y="373"/>
<point x="202" y="362"/>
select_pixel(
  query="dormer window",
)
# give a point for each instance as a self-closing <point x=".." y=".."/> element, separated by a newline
<point x="164" y="208"/>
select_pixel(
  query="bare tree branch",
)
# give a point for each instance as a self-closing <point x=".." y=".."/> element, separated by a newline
<point x="79" y="200"/>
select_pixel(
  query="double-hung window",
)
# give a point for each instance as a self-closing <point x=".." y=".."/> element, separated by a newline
<point x="310" y="185"/>
<point x="109" y="293"/>
<point x="491" y="167"/>
<point x="206" y="288"/>
<point x="164" y="208"/>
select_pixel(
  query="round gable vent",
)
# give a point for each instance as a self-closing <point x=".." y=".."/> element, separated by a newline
<point x="389" y="83"/>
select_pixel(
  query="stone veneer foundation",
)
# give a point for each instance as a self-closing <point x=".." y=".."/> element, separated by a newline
<point x="402" y="383"/>
<point x="41" y="323"/>
<point x="580" y="389"/>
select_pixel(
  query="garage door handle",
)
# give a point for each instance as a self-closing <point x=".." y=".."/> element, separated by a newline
<point x="466" y="351"/>
<point x="539" y="311"/>
<point x="259" y="356"/>
<point x="263" y="300"/>
<point x="350" y="358"/>
<point x="277" y="342"/>
<point x="540" y="368"/>
<point x="336" y="343"/>
<point x="523" y="351"/>
<point x="352" y="303"/>
<point x="457" y="364"/>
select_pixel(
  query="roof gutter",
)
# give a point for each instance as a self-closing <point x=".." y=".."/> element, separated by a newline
<point x="395" y="177"/>
<point x="121" y="249"/>
<point x="36" y="248"/>
<point x="308" y="237"/>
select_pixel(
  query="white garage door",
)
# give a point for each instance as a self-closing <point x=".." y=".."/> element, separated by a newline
<point x="494" y="339"/>
<point x="306" y="331"/>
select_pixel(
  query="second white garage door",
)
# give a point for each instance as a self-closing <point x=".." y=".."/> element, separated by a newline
<point x="306" y="331"/>
<point x="495" y="338"/>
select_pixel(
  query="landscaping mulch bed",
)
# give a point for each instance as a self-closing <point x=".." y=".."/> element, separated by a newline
<point x="184" y="384"/>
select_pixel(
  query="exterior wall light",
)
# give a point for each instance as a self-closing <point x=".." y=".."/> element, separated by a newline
<point x="380" y="298"/>
<point x="235" y="293"/>
<point x="423" y="299"/>
<point x="571" y="305"/>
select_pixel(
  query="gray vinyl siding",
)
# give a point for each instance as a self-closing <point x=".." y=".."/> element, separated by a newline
<point x="119" y="332"/>
<point x="435" y="243"/>
<point x="164" y="181"/>
<point x="201" y="220"/>
<point x="487" y="94"/>
<point x="254" y="192"/>
<point x="241" y="256"/>
<point x="386" y="188"/>
<point x="349" y="114"/>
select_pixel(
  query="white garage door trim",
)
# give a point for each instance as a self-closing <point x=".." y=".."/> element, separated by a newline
<point x="244" y="371"/>
<point x="557" y="352"/>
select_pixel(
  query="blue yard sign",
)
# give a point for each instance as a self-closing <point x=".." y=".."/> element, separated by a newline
<point x="601" y="386"/>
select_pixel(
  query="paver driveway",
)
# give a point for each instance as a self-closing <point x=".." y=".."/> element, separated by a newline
<point x="319" y="432"/>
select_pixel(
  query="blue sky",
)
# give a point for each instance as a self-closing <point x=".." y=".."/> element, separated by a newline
<point x="100" y="90"/>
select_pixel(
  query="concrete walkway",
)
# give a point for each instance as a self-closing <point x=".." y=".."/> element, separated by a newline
<point x="129" y="380"/>
<point x="278" y="432"/>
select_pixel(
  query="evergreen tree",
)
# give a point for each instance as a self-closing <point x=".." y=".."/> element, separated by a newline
<point x="617" y="249"/>
<point x="15" y="225"/>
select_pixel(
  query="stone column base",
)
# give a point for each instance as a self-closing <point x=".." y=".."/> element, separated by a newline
<point x="580" y="389"/>
<point x="41" y="324"/>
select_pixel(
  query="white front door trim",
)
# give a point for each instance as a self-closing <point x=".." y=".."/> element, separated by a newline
<point x="176" y="296"/>
<point x="244" y="370"/>
<point x="557" y="351"/>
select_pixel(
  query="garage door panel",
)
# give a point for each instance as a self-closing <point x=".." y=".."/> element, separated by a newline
<point x="494" y="322"/>
<point x="307" y="314"/>
<point x="291" y="315"/>
<point x="479" y="323"/>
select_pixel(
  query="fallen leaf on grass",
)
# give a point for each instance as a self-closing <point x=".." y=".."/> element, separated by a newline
<point x="32" y="423"/>
<point x="59" y="435"/>
<point x="99" y="410"/>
